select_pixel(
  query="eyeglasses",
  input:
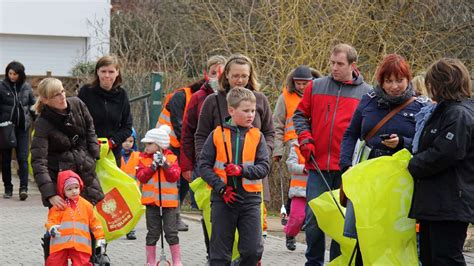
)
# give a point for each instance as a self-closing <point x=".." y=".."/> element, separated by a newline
<point x="237" y="77"/>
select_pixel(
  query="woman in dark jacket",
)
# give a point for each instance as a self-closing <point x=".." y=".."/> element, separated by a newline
<point x="16" y="99"/>
<point x="238" y="72"/>
<point x="108" y="104"/>
<point x="394" y="89"/>
<point x="443" y="168"/>
<point x="64" y="139"/>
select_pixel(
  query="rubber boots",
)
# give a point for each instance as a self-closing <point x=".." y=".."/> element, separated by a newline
<point x="176" y="255"/>
<point x="151" y="255"/>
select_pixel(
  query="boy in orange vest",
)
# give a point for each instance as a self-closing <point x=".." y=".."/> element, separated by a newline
<point x="129" y="165"/>
<point x="70" y="228"/>
<point x="159" y="166"/>
<point x="297" y="194"/>
<point x="236" y="178"/>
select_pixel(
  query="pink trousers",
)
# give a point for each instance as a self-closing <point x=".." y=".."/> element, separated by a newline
<point x="296" y="217"/>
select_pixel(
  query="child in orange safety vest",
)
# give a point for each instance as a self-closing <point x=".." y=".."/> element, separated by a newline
<point x="158" y="166"/>
<point x="71" y="228"/>
<point x="129" y="165"/>
<point x="297" y="194"/>
<point x="236" y="177"/>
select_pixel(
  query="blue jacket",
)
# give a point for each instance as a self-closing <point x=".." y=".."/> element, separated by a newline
<point x="367" y="115"/>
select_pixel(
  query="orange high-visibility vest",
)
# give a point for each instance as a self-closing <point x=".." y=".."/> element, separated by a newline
<point x="252" y="138"/>
<point x="291" y="102"/>
<point x="298" y="181"/>
<point x="130" y="168"/>
<point x="150" y="190"/>
<point x="164" y="118"/>
<point x="75" y="227"/>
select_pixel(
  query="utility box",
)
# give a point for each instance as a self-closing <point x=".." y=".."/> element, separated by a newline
<point x="156" y="97"/>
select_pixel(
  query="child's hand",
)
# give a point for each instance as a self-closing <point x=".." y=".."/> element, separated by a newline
<point x="233" y="170"/>
<point x="54" y="231"/>
<point x="159" y="159"/>
<point x="101" y="244"/>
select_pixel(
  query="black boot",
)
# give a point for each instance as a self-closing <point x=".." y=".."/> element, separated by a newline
<point x="8" y="193"/>
<point x="23" y="193"/>
<point x="290" y="243"/>
<point x="182" y="227"/>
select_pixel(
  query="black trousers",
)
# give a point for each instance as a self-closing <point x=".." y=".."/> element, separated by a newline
<point x="441" y="242"/>
<point x="225" y="220"/>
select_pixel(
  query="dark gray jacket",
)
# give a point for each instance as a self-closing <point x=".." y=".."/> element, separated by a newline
<point x="259" y="170"/>
<point x="16" y="103"/>
<point x="443" y="168"/>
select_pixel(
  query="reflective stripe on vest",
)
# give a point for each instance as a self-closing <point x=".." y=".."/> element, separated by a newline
<point x="130" y="168"/>
<point x="291" y="103"/>
<point x="150" y="190"/>
<point x="164" y="118"/>
<point x="251" y="141"/>
<point x="298" y="181"/>
<point x="75" y="229"/>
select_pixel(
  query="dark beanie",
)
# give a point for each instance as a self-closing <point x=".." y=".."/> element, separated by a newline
<point x="302" y="73"/>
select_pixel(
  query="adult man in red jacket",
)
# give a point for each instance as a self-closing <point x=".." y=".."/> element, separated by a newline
<point x="320" y="120"/>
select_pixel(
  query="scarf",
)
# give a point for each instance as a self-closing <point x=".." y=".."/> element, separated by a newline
<point x="384" y="99"/>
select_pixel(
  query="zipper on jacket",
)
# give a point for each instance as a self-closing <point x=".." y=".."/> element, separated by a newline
<point x="236" y="157"/>
<point x="332" y="126"/>
<point x="327" y="112"/>
<point x="106" y="118"/>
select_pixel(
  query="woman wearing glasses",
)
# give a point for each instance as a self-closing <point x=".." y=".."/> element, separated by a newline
<point x="238" y="72"/>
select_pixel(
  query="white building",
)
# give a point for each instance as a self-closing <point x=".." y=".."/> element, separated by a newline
<point x="53" y="35"/>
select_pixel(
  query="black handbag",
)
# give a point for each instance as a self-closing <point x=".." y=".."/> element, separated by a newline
<point x="7" y="134"/>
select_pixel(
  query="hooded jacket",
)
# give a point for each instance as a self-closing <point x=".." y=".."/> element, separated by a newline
<point x="15" y="102"/>
<point x="76" y="222"/>
<point x="323" y="115"/>
<point x="280" y="113"/>
<point x="65" y="142"/>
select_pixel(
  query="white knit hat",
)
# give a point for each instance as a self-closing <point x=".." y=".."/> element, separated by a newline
<point x="160" y="136"/>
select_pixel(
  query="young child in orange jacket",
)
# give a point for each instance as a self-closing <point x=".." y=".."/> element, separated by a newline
<point x="157" y="164"/>
<point x="70" y="228"/>
<point x="129" y="165"/>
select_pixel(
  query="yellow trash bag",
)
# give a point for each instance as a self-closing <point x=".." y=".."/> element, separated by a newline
<point x="331" y="222"/>
<point x="121" y="209"/>
<point x="381" y="191"/>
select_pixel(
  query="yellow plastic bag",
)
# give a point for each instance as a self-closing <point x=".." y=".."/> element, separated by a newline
<point x="121" y="209"/>
<point x="331" y="222"/>
<point x="381" y="191"/>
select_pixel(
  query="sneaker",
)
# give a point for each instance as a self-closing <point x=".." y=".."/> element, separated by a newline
<point x="131" y="235"/>
<point x="23" y="193"/>
<point x="182" y="227"/>
<point x="8" y="193"/>
<point x="290" y="243"/>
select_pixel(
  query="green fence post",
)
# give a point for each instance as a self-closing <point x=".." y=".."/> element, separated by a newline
<point x="156" y="97"/>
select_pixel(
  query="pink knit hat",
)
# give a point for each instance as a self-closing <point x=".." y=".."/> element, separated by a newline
<point x="70" y="181"/>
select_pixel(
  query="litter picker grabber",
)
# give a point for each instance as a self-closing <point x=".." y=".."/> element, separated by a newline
<point x="313" y="161"/>
<point x="315" y="164"/>
<point x="163" y="260"/>
<point x="283" y="214"/>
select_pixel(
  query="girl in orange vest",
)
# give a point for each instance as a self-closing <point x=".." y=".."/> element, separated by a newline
<point x="297" y="194"/>
<point x="70" y="228"/>
<point x="158" y="166"/>
<point x="129" y="164"/>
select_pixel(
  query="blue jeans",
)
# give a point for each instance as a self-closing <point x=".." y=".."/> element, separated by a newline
<point x="315" y="239"/>
<point x="22" y="140"/>
<point x="350" y="221"/>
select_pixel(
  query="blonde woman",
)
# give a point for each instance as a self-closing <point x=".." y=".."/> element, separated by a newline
<point x="64" y="139"/>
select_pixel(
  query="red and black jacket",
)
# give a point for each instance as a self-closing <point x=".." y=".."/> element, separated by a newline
<point x="324" y="114"/>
